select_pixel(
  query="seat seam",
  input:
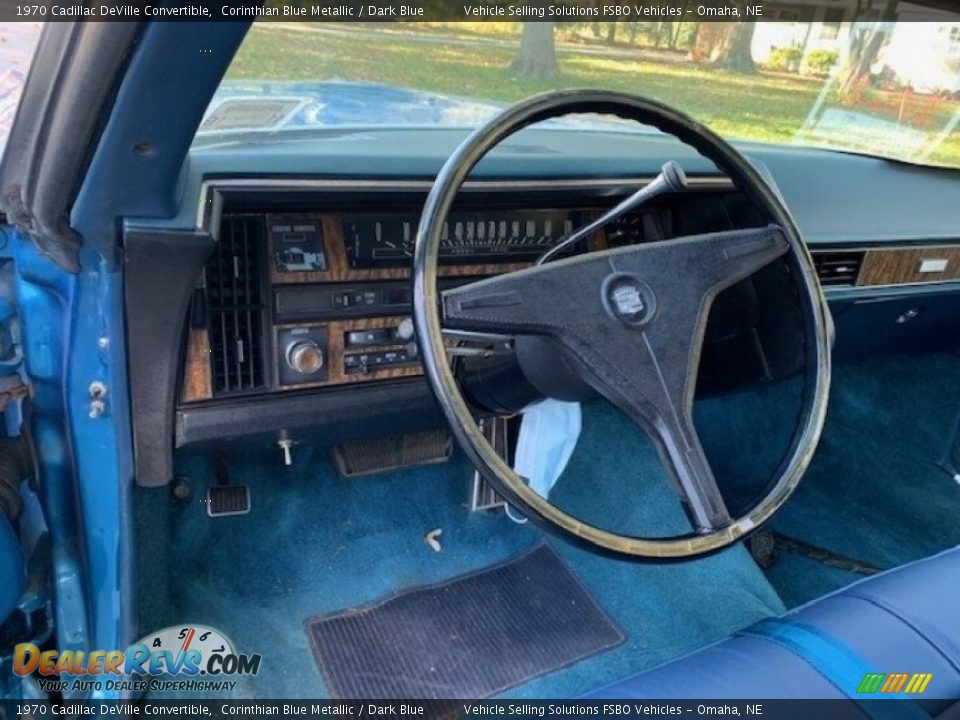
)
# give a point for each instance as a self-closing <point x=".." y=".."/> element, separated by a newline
<point x="879" y="604"/>
<point x="783" y="646"/>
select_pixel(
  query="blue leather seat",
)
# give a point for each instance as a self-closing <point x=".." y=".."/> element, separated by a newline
<point x="906" y="620"/>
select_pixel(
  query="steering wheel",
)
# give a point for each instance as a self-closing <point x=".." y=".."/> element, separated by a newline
<point x="631" y="321"/>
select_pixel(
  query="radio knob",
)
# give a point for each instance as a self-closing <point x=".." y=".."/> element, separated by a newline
<point x="304" y="356"/>
<point x="405" y="330"/>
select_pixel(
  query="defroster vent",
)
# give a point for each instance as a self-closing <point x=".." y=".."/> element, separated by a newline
<point x="235" y="310"/>
<point x="837" y="267"/>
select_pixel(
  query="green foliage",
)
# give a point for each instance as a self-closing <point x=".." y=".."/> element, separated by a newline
<point x="782" y="58"/>
<point x="821" y="61"/>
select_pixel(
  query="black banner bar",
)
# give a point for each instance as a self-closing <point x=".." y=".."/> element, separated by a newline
<point x="558" y="11"/>
<point x="327" y="709"/>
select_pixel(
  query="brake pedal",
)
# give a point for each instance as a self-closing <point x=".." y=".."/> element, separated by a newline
<point x="226" y="500"/>
<point x="394" y="453"/>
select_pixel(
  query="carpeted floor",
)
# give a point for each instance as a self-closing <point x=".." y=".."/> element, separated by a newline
<point x="316" y="543"/>
<point x="873" y="491"/>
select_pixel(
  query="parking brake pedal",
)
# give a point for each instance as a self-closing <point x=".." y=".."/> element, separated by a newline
<point x="225" y="499"/>
<point x="394" y="453"/>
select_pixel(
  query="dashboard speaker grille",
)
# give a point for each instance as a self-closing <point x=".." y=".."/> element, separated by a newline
<point x="838" y="267"/>
<point x="235" y="310"/>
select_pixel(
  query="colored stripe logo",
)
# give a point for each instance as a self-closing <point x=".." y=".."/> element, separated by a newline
<point x="894" y="683"/>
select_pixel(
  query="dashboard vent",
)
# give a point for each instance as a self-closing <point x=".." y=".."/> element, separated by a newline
<point x="234" y="300"/>
<point x="838" y="267"/>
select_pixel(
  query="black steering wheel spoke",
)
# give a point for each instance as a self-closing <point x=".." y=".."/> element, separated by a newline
<point x="633" y="318"/>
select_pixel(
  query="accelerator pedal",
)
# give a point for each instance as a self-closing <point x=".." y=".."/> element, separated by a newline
<point x="370" y="457"/>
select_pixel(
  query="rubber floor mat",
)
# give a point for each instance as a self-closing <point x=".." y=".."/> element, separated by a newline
<point x="469" y="637"/>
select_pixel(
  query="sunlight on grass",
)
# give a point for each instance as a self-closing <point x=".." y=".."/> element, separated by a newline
<point x="759" y="106"/>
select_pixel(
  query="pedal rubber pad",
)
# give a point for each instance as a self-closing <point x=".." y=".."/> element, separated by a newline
<point x="225" y="500"/>
<point x="394" y="453"/>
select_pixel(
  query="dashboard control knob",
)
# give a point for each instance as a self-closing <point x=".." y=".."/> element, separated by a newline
<point x="304" y="356"/>
<point x="405" y="329"/>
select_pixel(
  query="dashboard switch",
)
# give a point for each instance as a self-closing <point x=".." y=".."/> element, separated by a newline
<point x="365" y="338"/>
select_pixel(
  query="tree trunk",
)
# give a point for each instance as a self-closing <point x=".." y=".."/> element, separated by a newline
<point x="710" y="38"/>
<point x="736" y="53"/>
<point x="537" y="56"/>
<point x="865" y="45"/>
<point x="611" y="33"/>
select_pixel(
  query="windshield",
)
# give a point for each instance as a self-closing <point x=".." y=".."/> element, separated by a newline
<point x="18" y="40"/>
<point x="815" y="76"/>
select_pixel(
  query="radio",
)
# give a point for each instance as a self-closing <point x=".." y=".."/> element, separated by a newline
<point x="344" y="351"/>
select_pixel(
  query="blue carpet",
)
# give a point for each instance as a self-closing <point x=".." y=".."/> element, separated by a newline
<point x="799" y="579"/>
<point x="316" y="543"/>
<point x="873" y="491"/>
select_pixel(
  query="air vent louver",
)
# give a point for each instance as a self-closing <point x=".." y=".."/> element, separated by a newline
<point x="235" y="306"/>
<point x="838" y="267"/>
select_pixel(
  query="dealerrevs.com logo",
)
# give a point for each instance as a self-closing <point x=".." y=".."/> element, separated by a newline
<point x="181" y="657"/>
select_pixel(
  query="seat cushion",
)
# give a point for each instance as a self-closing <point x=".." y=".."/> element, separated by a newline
<point x="906" y="620"/>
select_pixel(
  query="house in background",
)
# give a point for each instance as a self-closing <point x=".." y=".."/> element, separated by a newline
<point x="923" y="50"/>
<point x="807" y="25"/>
<point x="925" y="56"/>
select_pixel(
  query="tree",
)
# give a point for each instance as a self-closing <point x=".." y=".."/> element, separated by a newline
<point x="735" y="52"/>
<point x="866" y="40"/>
<point x="708" y="41"/>
<point x="611" y="33"/>
<point x="537" y="55"/>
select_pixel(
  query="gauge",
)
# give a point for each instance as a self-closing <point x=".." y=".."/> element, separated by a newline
<point x="386" y="240"/>
<point x="298" y="245"/>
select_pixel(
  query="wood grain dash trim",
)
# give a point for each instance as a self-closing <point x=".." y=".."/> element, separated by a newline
<point x="900" y="266"/>
<point x="197" y="376"/>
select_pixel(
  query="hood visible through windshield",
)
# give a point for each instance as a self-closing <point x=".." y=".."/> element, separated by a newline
<point x="825" y="79"/>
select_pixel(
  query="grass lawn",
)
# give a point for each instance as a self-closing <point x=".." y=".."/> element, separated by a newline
<point x="764" y="107"/>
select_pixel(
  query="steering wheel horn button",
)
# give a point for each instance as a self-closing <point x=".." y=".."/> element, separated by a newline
<point x="628" y="299"/>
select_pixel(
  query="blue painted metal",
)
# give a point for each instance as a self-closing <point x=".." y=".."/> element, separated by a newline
<point x="12" y="572"/>
<point x="44" y="296"/>
<point x="134" y="170"/>
<point x="318" y="105"/>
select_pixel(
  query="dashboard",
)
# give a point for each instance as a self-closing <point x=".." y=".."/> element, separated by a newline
<point x="308" y="289"/>
<point x="284" y="313"/>
<point x="311" y="289"/>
